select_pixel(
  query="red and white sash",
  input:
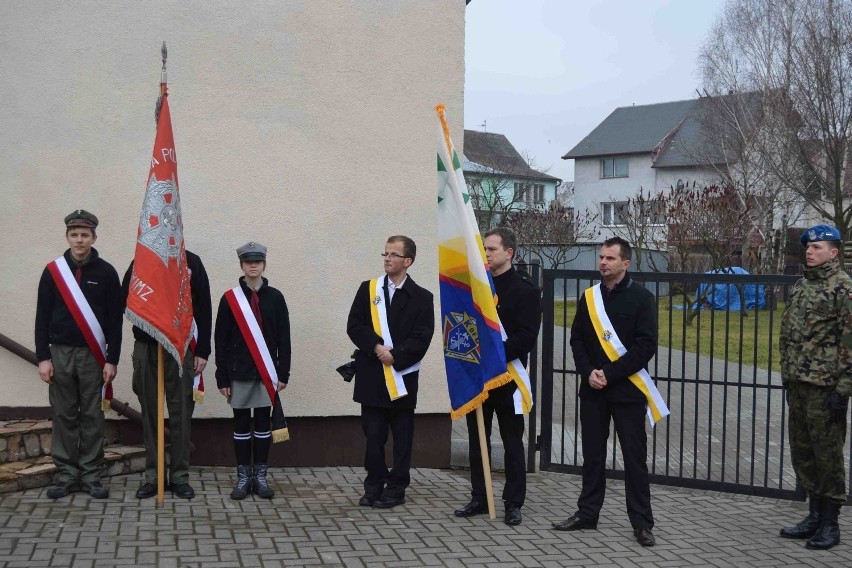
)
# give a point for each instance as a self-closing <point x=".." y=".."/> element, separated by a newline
<point x="253" y="336"/>
<point x="198" y="380"/>
<point x="83" y="315"/>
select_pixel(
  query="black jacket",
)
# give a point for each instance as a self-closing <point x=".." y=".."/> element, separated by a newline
<point x="233" y="359"/>
<point x="411" y="318"/>
<point x="54" y="324"/>
<point x="519" y="308"/>
<point x="633" y="312"/>
<point x="202" y="309"/>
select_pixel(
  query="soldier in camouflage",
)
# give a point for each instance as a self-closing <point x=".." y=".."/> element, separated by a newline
<point x="816" y="370"/>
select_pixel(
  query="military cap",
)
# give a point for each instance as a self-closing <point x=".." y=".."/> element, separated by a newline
<point x="252" y="251"/>
<point x="81" y="218"/>
<point x="820" y="233"/>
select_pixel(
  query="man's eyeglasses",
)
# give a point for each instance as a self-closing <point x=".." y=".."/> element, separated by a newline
<point x="393" y="255"/>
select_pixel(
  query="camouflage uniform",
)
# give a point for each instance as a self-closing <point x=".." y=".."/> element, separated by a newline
<point x="816" y="359"/>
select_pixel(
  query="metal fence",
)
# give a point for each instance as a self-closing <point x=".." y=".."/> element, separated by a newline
<point x="717" y="369"/>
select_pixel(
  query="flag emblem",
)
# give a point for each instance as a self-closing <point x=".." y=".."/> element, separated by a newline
<point x="607" y="335"/>
<point x="161" y="228"/>
<point x="461" y="337"/>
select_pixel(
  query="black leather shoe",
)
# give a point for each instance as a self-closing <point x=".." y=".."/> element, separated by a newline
<point x="367" y="501"/>
<point x="644" y="537"/>
<point x="471" y="509"/>
<point x="183" y="491"/>
<point x="146" y="491"/>
<point x="96" y="490"/>
<point x="61" y="489"/>
<point x="575" y="523"/>
<point x="385" y="502"/>
<point x="806" y="528"/>
<point x="513" y="516"/>
<point x="825" y="538"/>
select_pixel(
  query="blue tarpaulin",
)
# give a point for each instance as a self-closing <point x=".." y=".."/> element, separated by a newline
<point x="726" y="296"/>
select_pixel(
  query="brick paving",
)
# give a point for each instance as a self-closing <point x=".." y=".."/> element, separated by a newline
<point x="314" y="520"/>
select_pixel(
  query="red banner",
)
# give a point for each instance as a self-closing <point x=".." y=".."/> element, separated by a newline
<point x="159" y="301"/>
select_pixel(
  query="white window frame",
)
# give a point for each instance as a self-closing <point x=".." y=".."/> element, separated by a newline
<point x="529" y="193"/>
<point x="608" y="210"/>
<point x="613" y="162"/>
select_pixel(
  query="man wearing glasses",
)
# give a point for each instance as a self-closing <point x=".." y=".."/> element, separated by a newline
<point x="391" y="323"/>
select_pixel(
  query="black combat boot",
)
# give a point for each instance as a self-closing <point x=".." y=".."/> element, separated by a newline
<point x="261" y="487"/>
<point x="828" y="534"/>
<point x="808" y="526"/>
<point x="244" y="483"/>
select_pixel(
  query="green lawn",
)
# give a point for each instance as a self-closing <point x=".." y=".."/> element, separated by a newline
<point x="717" y="331"/>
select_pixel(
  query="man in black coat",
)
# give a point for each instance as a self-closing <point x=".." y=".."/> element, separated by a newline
<point x="387" y="360"/>
<point x="179" y="399"/>
<point x="519" y="308"/>
<point x="607" y="394"/>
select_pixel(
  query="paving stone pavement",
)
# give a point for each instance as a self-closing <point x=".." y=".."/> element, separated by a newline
<point x="314" y="520"/>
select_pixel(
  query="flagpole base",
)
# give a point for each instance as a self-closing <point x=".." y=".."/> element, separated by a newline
<point x="486" y="463"/>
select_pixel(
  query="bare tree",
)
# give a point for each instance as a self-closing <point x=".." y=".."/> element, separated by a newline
<point x="707" y="222"/>
<point x="565" y="194"/>
<point x="494" y="197"/>
<point x="797" y="56"/>
<point x="642" y="223"/>
<point x="705" y="230"/>
<point x="730" y="143"/>
<point x="550" y="234"/>
<point x="501" y="180"/>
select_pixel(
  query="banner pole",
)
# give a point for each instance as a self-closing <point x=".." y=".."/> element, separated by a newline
<point x="486" y="463"/>
<point x="161" y="437"/>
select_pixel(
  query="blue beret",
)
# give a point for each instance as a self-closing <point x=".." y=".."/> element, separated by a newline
<point x="820" y="233"/>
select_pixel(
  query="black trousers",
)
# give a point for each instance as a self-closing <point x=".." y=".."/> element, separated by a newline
<point x="595" y="418"/>
<point x="377" y="421"/>
<point x="512" y="433"/>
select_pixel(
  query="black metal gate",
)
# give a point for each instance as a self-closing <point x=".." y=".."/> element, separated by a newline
<point x="716" y="368"/>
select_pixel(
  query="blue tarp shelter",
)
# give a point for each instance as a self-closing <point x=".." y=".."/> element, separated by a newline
<point x="727" y="297"/>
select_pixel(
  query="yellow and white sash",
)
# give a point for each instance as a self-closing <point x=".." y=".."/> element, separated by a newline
<point x="614" y="349"/>
<point x="379" y="316"/>
<point x="523" y="394"/>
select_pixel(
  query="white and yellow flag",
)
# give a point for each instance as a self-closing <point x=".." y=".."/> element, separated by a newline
<point x="472" y="334"/>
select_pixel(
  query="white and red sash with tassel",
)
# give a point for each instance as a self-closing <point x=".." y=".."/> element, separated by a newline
<point x="253" y="337"/>
<point x="83" y="315"/>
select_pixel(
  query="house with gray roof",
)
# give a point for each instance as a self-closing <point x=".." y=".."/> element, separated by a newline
<point x="500" y="180"/>
<point x="654" y="147"/>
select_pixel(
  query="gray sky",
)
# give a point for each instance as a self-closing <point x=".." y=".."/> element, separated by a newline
<point x="546" y="72"/>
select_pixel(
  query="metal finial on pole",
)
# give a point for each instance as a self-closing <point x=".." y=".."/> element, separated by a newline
<point x="163" y="84"/>
<point x="165" y="54"/>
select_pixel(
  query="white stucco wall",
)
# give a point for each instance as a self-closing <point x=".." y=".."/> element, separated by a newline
<point x="307" y="126"/>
